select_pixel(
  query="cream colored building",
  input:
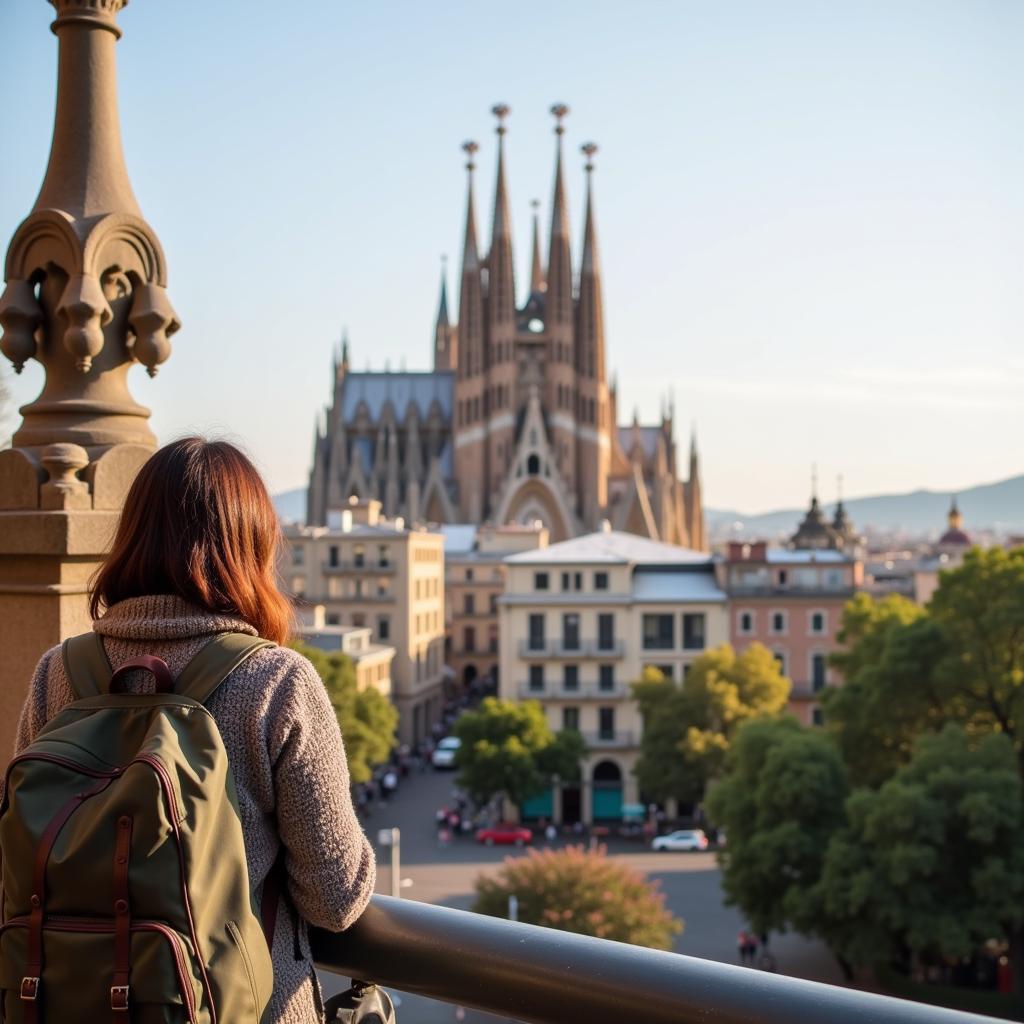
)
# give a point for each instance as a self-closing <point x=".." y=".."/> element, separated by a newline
<point x="374" y="573"/>
<point x="578" y="623"/>
<point x="371" y="661"/>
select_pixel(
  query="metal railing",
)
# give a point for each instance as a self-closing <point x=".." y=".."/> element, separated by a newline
<point x="554" y="690"/>
<point x="542" y="976"/>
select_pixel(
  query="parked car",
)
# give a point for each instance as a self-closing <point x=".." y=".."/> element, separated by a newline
<point x="684" y="839"/>
<point x="506" y="834"/>
<point x="444" y="753"/>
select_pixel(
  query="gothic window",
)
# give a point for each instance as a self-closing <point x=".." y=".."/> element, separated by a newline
<point x="533" y="465"/>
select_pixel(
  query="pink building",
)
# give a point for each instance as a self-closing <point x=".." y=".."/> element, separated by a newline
<point x="792" y="602"/>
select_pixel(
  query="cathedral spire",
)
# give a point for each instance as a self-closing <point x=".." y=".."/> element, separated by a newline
<point x="591" y="303"/>
<point x="445" y="335"/>
<point x="442" y="305"/>
<point x="559" y="291"/>
<point x="501" y="289"/>
<point x="536" y="265"/>
<point x="470" y="353"/>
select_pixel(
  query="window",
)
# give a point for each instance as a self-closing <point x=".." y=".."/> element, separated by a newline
<point x="817" y="623"/>
<point x="782" y="577"/>
<point x="299" y="554"/>
<point x="492" y="638"/>
<point x="817" y="717"/>
<point x="359" y="556"/>
<point x="536" y="678"/>
<point x="819" y="669"/>
<point x="577" y="581"/>
<point x="778" y="621"/>
<point x="358" y="619"/>
<point x="572" y="581"/>
<point x="605" y="631"/>
<point x="693" y="631"/>
<point x="494" y="604"/>
<point x="383" y="556"/>
<point x="469" y="638"/>
<point x="571" y="631"/>
<point x="536" y="642"/>
<point x="383" y="588"/>
<point x="571" y="677"/>
<point x="469" y="604"/>
<point x="746" y="623"/>
<point x="606" y="677"/>
<point x="540" y="581"/>
<point x="606" y="723"/>
<point x="383" y="627"/>
<point x="565" y="581"/>
<point x="600" y="581"/>
<point x="333" y="619"/>
<point x="659" y="632"/>
<point x="668" y="671"/>
<point x="333" y="557"/>
<point x="571" y="719"/>
<point x="469" y="574"/>
<point x="780" y="658"/>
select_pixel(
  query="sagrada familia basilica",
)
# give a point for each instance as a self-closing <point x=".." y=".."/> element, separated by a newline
<point x="517" y="421"/>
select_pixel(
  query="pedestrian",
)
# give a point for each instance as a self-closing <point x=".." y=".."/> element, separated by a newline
<point x="192" y="561"/>
<point x="550" y="833"/>
<point x="443" y="838"/>
<point x="742" y="943"/>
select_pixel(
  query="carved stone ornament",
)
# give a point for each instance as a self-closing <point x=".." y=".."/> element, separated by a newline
<point x="85" y="273"/>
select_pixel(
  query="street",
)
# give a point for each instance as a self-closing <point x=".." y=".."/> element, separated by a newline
<point x="445" y="876"/>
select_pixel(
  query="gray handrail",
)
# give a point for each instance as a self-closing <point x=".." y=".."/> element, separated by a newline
<point x="544" y="976"/>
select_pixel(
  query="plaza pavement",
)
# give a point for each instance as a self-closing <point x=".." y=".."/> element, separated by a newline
<point x="690" y="881"/>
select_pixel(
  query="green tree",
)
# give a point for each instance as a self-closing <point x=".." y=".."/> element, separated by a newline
<point x="581" y="891"/>
<point x="910" y="671"/>
<point x="932" y="863"/>
<point x="890" y="691"/>
<point x="780" y="801"/>
<point x="688" y="726"/>
<point x="367" y="718"/>
<point x="508" y="748"/>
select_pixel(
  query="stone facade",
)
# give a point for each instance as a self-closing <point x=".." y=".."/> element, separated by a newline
<point x="517" y="420"/>
<point x="579" y="622"/>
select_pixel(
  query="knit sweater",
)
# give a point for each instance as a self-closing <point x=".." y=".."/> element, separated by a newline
<point x="288" y="762"/>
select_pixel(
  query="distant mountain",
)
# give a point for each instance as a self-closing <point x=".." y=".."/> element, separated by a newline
<point x="997" y="507"/>
<point x="291" y="505"/>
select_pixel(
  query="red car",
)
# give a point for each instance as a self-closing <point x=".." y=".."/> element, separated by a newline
<point x="504" y="835"/>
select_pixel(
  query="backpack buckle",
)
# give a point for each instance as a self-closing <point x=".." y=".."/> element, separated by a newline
<point x="119" y="997"/>
<point x="30" y="989"/>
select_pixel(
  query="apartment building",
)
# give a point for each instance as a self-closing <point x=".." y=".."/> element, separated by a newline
<point x="792" y="602"/>
<point x="475" y="572"/>
<point x="370" y="572"/>
<point x="371" y="661"/>
<point x="578" y="623"/>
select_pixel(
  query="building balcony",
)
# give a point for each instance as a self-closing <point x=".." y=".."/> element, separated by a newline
<point x="368" y="568"/>
<point x="356" y="599"/>
<point x="543" y="976"/>
<point x="620" y="739"/>
<point x="554" y="690"/>
<point x="558" y="649"/>
<point x="784" y="590"/>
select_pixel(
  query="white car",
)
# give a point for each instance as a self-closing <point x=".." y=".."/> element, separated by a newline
<point x="444" y="753"/>
<point x="685" y="839"/>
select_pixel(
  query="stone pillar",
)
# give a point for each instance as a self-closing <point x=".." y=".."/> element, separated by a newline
<point x="85" y="279"/>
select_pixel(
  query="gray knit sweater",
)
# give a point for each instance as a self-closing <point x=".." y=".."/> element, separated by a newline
<point x="289" y="766"/>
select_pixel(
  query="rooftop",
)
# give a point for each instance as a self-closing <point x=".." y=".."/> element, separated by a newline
<point x="684" y="585"/>
<point x="376" y="389"/>
<point x="611" y="547"/>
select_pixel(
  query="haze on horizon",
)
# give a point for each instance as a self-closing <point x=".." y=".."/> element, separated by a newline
<point x="811" y="216"/>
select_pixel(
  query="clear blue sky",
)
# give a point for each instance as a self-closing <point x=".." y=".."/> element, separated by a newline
<point x="811" y="214"/>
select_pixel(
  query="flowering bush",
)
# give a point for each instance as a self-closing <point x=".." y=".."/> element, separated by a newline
<point x="580" y="891"/>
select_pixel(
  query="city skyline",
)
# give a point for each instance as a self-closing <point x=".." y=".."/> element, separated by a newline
<point x="818" y="215"/>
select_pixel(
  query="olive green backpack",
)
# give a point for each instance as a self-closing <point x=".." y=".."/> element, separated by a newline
<point x="125" y="886"/>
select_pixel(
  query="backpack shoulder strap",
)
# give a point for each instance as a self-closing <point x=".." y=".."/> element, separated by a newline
<point x="214" y="663"/>
<point x="86" y="665"/>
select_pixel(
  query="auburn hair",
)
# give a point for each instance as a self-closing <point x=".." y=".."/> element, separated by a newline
<point x="198" y="522"/>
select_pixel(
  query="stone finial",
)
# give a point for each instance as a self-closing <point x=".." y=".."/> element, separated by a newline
<point x="589" y="149"/>
<point x="501" y="111"/>
<point x="559" y="111"/>
<point x="63" y="489"/>
<point x="470" y="148"/>
<point x="85" y="274"/>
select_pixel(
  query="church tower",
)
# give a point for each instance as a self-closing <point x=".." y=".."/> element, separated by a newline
<point x="499" y="394"/>
<point x="445" y="335"/>
<point x="593" y="452"/>
<point x="470" y="380"/>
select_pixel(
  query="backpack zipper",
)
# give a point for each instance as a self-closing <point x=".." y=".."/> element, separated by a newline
<point x="68" y="923"/>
